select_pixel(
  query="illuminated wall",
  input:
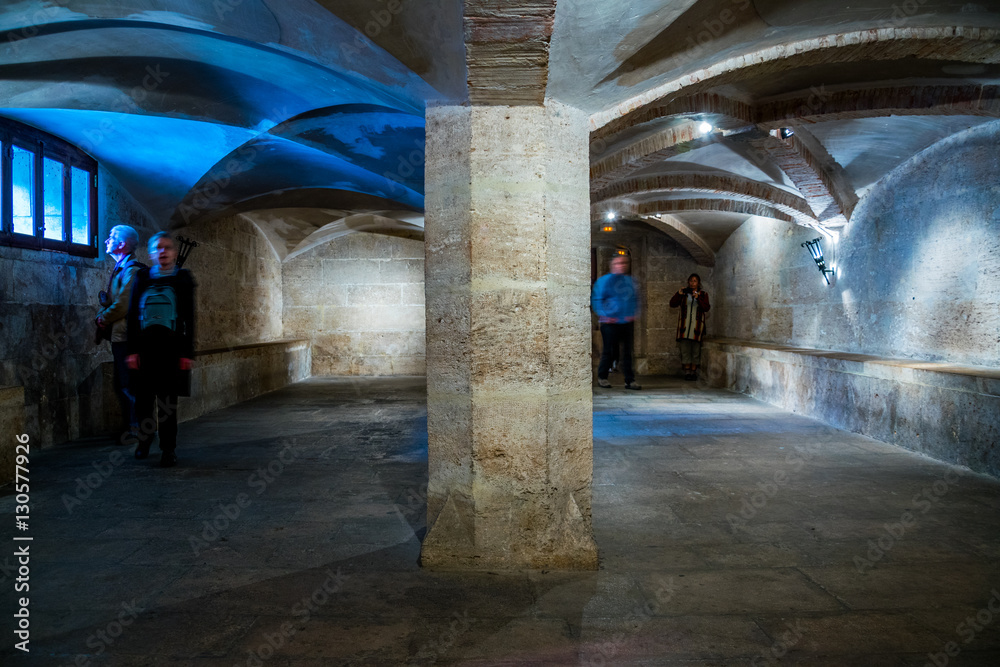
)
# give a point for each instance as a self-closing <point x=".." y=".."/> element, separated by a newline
<point x="239" y="284"/>
<point x="360" y="300"/>
<point x="919" y="266"/>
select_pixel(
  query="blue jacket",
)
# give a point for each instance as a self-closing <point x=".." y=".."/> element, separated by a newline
<point x="613" y="298"/>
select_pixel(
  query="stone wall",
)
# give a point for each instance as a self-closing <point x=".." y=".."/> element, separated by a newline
<point x="660" y="267"/>
<point x="360" y="300"/>
<point x="239" y="284"/>
<point x="48" y="304"/>
<point x="919" y="267"/>
<point x="11" y="426"/>
<point x="905" y="346"/>
<point x="49" y="301"/>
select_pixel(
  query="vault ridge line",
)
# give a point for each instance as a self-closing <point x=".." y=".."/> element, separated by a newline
<point x="791" y="51"/>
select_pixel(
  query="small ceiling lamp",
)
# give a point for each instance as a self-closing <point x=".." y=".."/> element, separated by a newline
<point x="705" y="127"/>
<point x="609" y="225"/>
<point x="816" y="250"/>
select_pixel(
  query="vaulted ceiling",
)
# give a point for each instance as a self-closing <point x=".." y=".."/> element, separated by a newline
<point x="307" y="116"/>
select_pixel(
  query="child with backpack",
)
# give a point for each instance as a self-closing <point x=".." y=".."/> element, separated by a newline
<point x="161" y="344"/>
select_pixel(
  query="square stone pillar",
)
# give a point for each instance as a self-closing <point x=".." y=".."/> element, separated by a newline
<point x="509" y="398"/>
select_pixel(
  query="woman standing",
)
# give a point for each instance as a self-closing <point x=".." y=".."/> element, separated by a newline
<point x="161" y="344"/>
<point x="693" y="302"/>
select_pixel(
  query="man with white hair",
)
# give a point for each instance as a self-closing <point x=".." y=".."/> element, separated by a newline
<point x="121" y="244"/>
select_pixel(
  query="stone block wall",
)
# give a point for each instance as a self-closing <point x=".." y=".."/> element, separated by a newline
<point x="660" y="267"/>
<point x="905" y="346"/>
<point x="239" y="284"/>
<point x="919" y="266"/>
<point x="360" y="300"/>
<point x="48" y="301"/>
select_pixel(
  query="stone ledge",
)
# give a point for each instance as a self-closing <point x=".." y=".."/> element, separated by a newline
<point x="250" y="348"/>
<point x="946" y="411"/>
<point x="976" y="379"/>
<point x="226" y="376"/>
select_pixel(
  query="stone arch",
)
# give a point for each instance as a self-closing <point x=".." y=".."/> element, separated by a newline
<point x="729" y="186"/>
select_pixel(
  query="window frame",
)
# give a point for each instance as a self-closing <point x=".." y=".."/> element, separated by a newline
<point x="44" y="145"/>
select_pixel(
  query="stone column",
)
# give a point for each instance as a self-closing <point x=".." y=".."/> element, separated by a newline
<point x="509" y="399"/>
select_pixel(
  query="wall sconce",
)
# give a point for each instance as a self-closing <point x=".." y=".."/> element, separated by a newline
<point x="816" y="250"/>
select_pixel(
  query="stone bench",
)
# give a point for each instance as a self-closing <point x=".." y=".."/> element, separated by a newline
<point x="946" y="411"/>
<point x="226" y="376"/>
<point x="11" y="425"/>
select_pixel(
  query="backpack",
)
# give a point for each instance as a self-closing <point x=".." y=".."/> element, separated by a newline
<point x="158" y="307"/>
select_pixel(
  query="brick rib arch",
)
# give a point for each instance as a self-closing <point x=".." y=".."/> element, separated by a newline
<point x="732" y="187"/>
<point x="693" y="205"/>
<point x="961" y="100"/>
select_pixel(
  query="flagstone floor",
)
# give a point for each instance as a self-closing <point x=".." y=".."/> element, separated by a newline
<point x="730" y="532"/>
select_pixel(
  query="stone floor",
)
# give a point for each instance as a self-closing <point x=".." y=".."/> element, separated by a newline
<point x="731" y="533"/>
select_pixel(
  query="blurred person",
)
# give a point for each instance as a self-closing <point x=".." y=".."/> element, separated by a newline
<point x="614" y="301"/>
<point x="693" y="302"/>
<point x="161" y="344"/>
<point x="112" y="323"/>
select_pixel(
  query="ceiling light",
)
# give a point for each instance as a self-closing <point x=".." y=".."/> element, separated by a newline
<point x="609" y="226"/>
<point x="705" y="128"/>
